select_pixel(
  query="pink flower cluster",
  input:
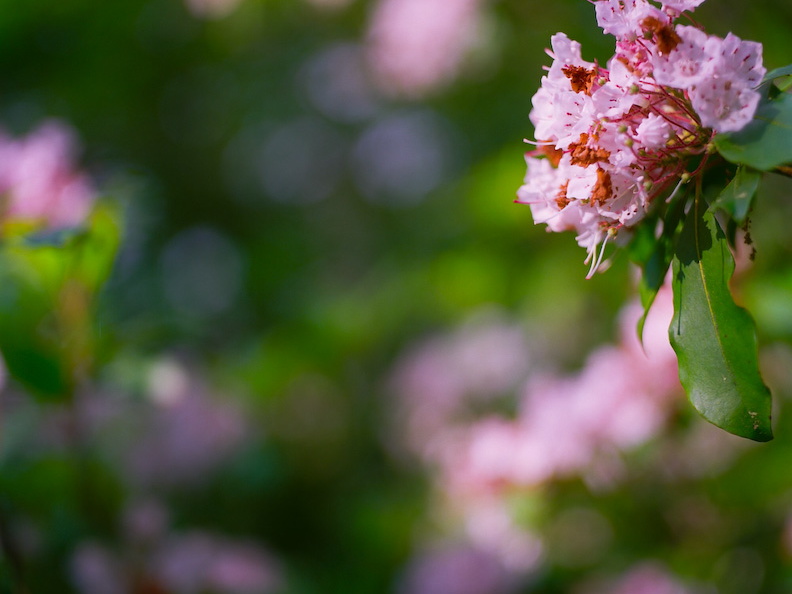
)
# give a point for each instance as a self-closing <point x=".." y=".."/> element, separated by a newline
<point x="575" y="425"/>
<point x="611" y="140"/>
<point x="565" y="425"/>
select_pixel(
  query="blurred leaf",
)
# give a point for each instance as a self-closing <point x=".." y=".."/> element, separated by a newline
<point x="97" y="248"/>
<point x="490" y="193"/>
<point x="714" y="338"/>
<point x="766" y="142"/>
<point x="28" y="327"/>
<point x="48" y="282"/>
<point x="87" y="492"/>
<point x="736" y="198"/>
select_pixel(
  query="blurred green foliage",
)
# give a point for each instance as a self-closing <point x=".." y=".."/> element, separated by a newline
<point x="300" y="308"/>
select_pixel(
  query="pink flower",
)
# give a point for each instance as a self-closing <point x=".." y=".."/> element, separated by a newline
<point x="688" y="64"/>
<point x="719" y="73"/>
<point x="725" y="106"/>
<point x="739" y="60"/>
<point x="612" y="140"/>
<point x="625" y="19"/>
<point x="678" y="6"/>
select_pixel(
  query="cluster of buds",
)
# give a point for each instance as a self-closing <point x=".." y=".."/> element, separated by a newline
<point x="611" y="140"/>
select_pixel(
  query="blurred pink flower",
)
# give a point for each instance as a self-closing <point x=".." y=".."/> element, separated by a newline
<point x="572" y="425"/>
<point x="38" y="180"/>
<point x="211" y="9"/>
<point x="490" y="525"/>
<point x="145" y="521"/>
<point x="454" y="569"/>
<point x="786" y="537"/>
<point x="645" y="578"/>
<point x="442" y="378"/>
<point x="150" y="557"/>
<point x="187" y="435"/>
<point x="417" y="46"/>
<point x="187" y="563"/>
<point x="336" y="83"/>
<point x="565" y="425"/>
<point x="199" y="562"/>
<point x="95" y="570"/>
<point x="177" y="437"/>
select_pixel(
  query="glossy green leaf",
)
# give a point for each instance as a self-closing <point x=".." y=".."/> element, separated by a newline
<point x="713" y="337"/>
<point x="736" y="198"/>
<point x="777" y="73"/>
<point x="766" y="142"/>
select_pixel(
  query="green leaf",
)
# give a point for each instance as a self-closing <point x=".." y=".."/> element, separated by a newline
<point x="771" y="87"/>
<point x="715" y="339"/>
<point x="766" y="142"/>
<point x="97" y="248"/>
<point x="29" y="328"/>
<point x="48" y="285"/>
<point x="85" y="253"/>
<point x="777" y="73"/>
<point x="736" y="198"/>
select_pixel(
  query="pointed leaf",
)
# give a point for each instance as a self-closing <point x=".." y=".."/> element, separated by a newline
<point x="766" y="142"/>
<point x="715" y="339"/>
<point x="736" y="198"/>
<point x="777" y="73"/>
